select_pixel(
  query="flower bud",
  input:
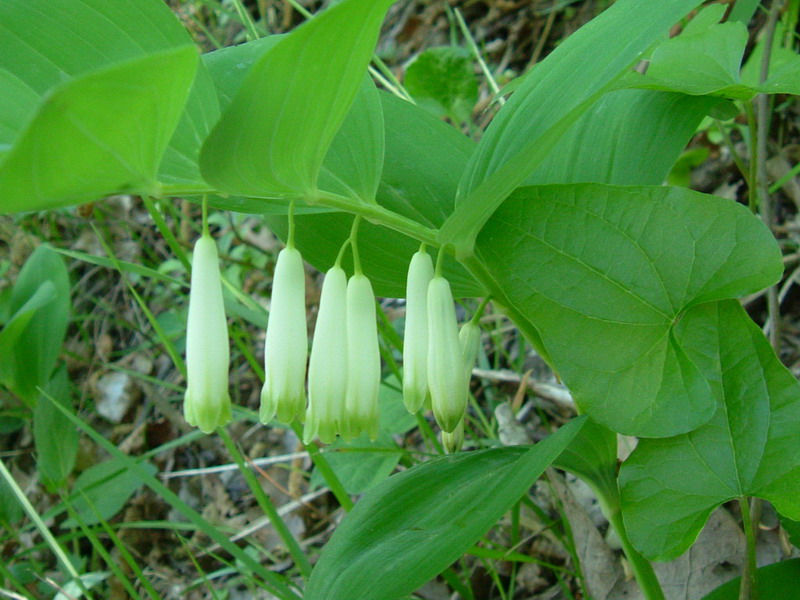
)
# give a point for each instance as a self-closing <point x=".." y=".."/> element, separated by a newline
<point x="453" y="442"/>
<point x="415" y="344"/>
<point x="286" y="346"/>
<point x="469" y="338"/>
<point x="446" y="380"/>
<point x="206" y="404"/>
<point x="327" y="369"/>
<point x="363" y="360"/>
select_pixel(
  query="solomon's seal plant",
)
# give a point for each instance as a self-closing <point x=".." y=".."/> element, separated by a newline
<point x="628" y="288"/>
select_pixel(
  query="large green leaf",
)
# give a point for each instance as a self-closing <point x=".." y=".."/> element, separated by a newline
<point x="549" y="101"/>
<point x="749" y="448"/>
<point x="412" y="526"/>
<point x="778" y="580"/>
<point x="99" y="133"/>
<point x="273" y="137"/>
<point x="605" y="272"/>
<point x="60" y="55"/>
<point x="40" y="303"/>
<point x="423" y="160"/>
<point x="600" y="148"/>
<point x="179" y="171"/>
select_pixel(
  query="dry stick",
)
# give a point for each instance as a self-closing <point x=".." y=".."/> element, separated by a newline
<point x="751" y="511"/>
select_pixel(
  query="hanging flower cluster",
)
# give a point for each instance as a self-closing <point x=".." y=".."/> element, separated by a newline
<point x="437" y="358"/>
<point x="344" y="370"/>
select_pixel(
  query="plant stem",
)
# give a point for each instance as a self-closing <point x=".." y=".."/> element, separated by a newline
<point x="762" y="119"/>
<point x="642" y="569"/>
<point x="749" y="585"/>
<point x="375" y="213"/>
<point x="267" y="506"/>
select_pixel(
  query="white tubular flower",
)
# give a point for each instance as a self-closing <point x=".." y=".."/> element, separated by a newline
<point x="415" y="343"/>
<point x="206" y="404"/>
<point x="286" y="346"/>
<point x="363" y="360"/>
<point x="327" y="369"/>
<point x="445" y="360"/>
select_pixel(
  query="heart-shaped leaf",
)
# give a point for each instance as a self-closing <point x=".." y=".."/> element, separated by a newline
<point x="749" y="448"/>
<point x="605" y="272"/>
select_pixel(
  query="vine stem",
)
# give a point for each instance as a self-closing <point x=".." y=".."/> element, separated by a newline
<point x="749" y="586"/>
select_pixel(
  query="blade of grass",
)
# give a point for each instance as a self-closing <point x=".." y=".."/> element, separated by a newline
<point x="100" y="549"/>
<point x="267" y="506"/>
<point x="37" y="520"/>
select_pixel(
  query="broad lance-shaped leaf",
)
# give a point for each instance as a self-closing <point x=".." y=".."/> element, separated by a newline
<point x="424" y="158"/>
<point x="751" y="447"/>
<point x="415" y="524"/>
<point x="99" y="134"/>
<point x="31" y="341"/>
<point x="273" y="137"/>
<point x="71" y="73"/>
<point x="605" y="272"/>
<point x="553" y="97"/>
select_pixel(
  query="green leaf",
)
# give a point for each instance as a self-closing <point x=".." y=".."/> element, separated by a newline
<point x="412" y="526"/>
<point x="556" y="93"/>
<point x="599" y="147"/>
<point x="40" y="302"/>
<point x="749" y="448"/>
<point x="179" y="171"/>
<point x="423" y="160"/>
<point x="778" y="580"/>
<point x="55" y="436"/>
<point x="792" y="528"/>
<point x="605" y="272"/>
<point x="66" y="102"/>
<point x="273" y="137"/>
<point x="102" y="490"/>
<point x="592" y="456"/>
<point x="442" y="80"/>
<point x="10" y="508"/>
<point x="704" y="60"/>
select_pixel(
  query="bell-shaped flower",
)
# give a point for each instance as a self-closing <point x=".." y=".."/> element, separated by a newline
<point x="363" y="360"/>
<point x="415" y="343"/>
<point x="286" y="346"/>
<point x="327" y="368"/>
<point x="446" y="380"/>
<point x="206" y="404"/>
